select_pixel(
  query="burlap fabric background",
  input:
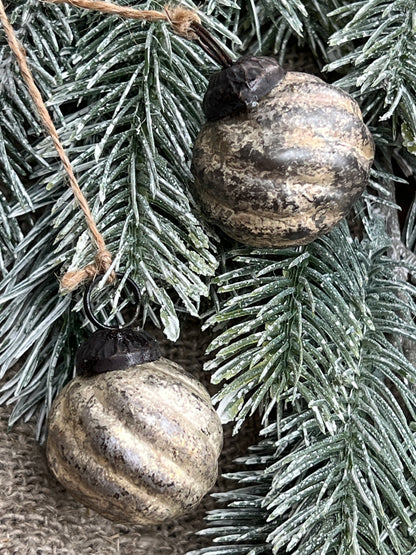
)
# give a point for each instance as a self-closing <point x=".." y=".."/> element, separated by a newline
<point x="37" y="516"/>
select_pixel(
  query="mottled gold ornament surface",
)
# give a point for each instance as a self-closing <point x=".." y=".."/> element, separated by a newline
<point x="139" y="445"/>
<point x="288" y="167"/>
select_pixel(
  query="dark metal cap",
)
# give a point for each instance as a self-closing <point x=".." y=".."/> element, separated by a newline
<point x="108" y="350"/>
<point x="235" y="88"/>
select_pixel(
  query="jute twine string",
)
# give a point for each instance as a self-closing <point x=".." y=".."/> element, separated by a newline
<point x="184" y="22"/>
<point x="181" y="20"/>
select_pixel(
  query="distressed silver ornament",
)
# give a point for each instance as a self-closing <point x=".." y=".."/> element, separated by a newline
<point x="133" y="437"/>
<point x="283" y="157"/>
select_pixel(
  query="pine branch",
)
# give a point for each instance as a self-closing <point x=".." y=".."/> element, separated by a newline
<point x="242" y="526"/>
<point x="380" y="39"/>
<point x="343" y="470"/>
<point x="267" y="26"/>
<point x="140" y="154"/>
<point x="48" y="48"/>
<point x="20" y="129"/>
<point x="312" y="493"/>
<point x="284" y="313"/>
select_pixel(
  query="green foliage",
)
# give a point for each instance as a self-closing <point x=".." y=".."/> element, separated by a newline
<point x="379" y="59"/>
<point x="242" y="527"/>
<point x="319" y="319"/>
<point x="266" y="26"/>
<point x="19" y="124"/>
<point x="285" y="308"/>
<point x="125" y="146"/>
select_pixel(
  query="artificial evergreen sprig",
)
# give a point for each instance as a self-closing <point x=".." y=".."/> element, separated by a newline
<point x="48" y="46"/>
<point x="242" y="527"/>
<point x="304" y="493"/>
<point x="146" y="161"/>
<point x="343" y="471"/>
<point x="284" y="306"/>
<point x="49" y="49"/>
<point x="268" y="26"/>
<point x="379" y="36"/>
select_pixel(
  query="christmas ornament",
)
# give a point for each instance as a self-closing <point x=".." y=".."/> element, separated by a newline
<point x="283" y="156"/>
<point x="133" y="436"/>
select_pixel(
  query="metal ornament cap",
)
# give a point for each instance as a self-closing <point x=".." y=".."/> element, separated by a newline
<point x="112" y="348"/>
<point x="241" y="85"/>
<point x="108" y="350"/>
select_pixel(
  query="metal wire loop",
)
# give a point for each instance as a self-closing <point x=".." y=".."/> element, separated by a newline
<point x="88" y="308"/>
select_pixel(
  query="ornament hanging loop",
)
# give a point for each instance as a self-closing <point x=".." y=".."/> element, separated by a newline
<point x="89" y="310"/>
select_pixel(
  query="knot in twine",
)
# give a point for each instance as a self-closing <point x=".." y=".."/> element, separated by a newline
<point x="182" y="20"/>
<point x="102" y="263"/>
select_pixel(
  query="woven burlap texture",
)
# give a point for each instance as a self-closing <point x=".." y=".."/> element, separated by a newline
<point x="37" y="516"/>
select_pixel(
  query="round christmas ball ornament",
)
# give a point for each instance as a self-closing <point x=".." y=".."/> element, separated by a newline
<point x="282" y="157"/>
<point x="133" y="437"/>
